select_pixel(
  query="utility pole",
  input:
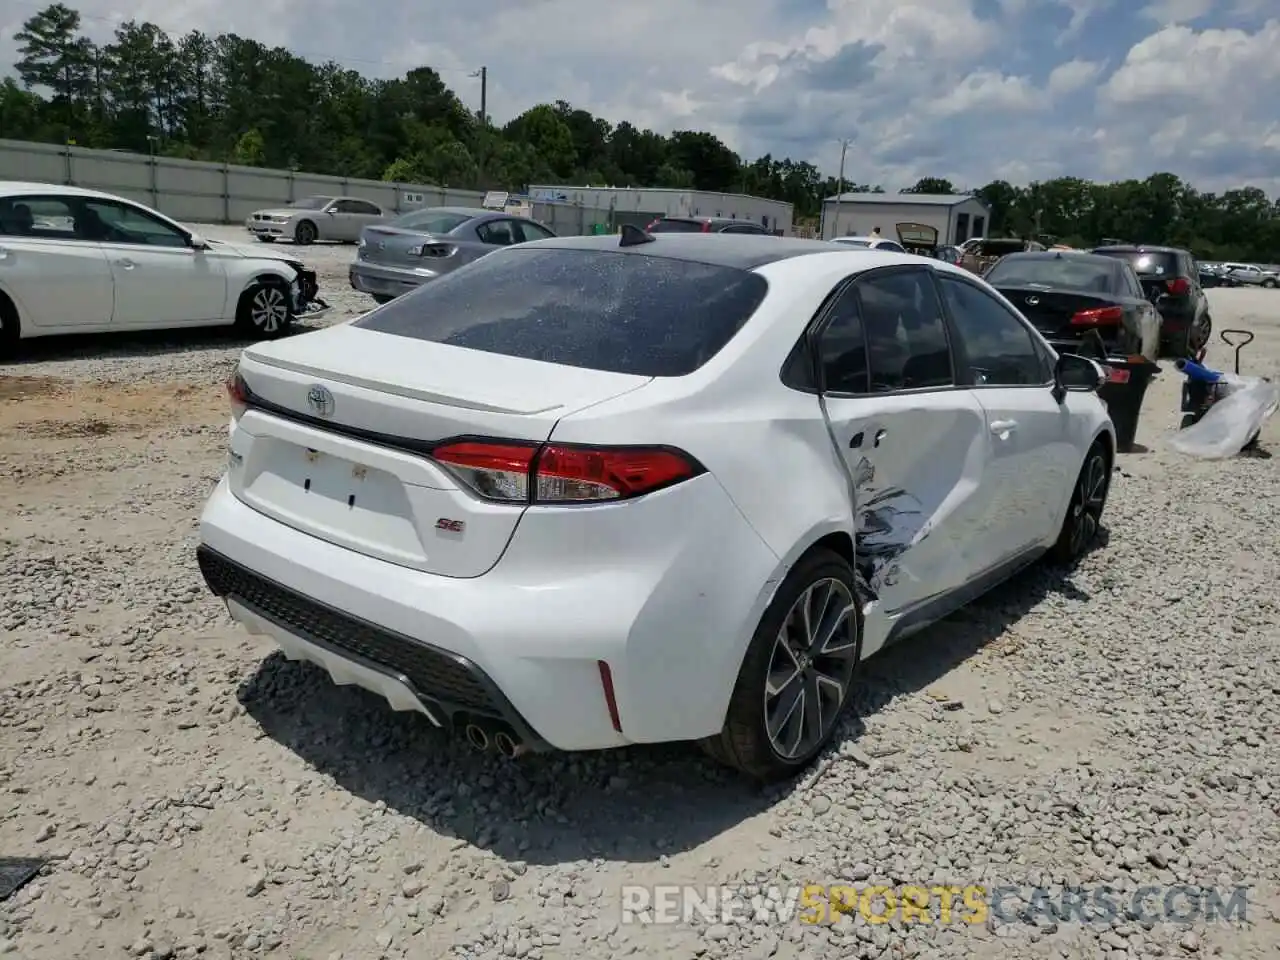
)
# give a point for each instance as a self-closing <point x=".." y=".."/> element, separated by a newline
<point x="844" y="149"/>
<point x="483" y="74"/>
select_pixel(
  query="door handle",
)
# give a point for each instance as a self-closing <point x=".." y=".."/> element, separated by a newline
<point x="880" y="435"/>
<point x="127" y="264"/>
<point x="1002" y="427"/>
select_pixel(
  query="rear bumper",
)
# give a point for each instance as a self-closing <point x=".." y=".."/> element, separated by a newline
<point x="386" y="281"/>
<point x="669" y="603"/>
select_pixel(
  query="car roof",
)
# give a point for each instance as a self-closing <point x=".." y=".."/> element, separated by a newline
<point x="743" y="251"/>
<point x="1056" y="254"/>
<point x="1139" y="248"/>
<point x="20" y="188"/>
<point x="476" y="213"/>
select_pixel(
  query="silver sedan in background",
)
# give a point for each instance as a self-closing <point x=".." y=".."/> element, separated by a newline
<point x="406" y="252"/>
<point x="315" y="218"/>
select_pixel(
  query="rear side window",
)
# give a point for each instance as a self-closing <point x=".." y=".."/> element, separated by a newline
<point x="677" y="226"/>
<point x="1147" y="264"/>
<point x="907" y="346"/>
<point x="598" y="309"/>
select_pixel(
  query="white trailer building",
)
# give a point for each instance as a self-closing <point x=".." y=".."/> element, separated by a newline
<point x="956" y="218"/>
<point x="639" y="205"/>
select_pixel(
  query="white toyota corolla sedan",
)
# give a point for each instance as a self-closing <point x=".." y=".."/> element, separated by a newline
<point x="595" y="491"/>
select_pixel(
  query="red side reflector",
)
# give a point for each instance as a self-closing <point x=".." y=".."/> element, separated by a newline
<point x="610" y="699"/>
<point x="1117" y="375"/>
<point x="1098" y="317"/>
<point x="1179" y="286"/>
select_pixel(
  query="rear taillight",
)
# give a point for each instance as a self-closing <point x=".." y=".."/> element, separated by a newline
<point x="1098" y="317"/>
<point x="514" y="472"/>
<point x="238" y="394"/>
<point x="1117" y="375"/>
<point x="706" y="226"/>
<point x="1179" y="287"/>
<point x="433" y="251"/>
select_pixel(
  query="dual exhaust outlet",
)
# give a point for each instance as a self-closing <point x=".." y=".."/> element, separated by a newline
<point x="486" y="736"/>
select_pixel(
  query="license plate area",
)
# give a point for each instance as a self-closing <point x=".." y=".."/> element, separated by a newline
<point x="337" y="499"/>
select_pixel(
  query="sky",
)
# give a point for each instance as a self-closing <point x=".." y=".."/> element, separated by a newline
<point x="970" y="90"/>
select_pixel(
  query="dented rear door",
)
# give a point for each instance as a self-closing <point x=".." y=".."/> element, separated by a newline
<point x="917" y="462"/>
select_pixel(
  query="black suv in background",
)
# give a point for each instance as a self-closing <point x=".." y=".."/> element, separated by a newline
<point x="1171" y="280"/>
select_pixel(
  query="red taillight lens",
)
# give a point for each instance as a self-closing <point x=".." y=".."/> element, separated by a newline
<point x="238" y="394"/>
<point x="1179" y="287"/>
<point x="561" y="473"/>
<point x="1117" y="375"/>
<point x="1098" y="317"/>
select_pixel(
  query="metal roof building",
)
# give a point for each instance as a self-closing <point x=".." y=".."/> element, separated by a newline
<point x="956" y="217"/>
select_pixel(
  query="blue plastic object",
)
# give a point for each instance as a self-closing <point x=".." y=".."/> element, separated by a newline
<point x="1193" y="371"/>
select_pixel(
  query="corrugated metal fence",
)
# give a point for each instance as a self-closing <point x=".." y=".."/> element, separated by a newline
<point x="198" y="192"/>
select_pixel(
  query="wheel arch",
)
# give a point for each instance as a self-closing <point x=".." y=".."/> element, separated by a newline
<point x="10" y="315"/>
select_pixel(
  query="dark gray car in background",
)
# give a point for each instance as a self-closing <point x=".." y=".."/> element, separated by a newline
<point x="402" y="254"/>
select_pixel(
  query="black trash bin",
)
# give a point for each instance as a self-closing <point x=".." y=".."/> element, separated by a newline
<point x="1123" y="395"/>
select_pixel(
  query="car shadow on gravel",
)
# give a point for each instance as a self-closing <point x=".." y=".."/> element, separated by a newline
<point x="143" y="343"/>
<point x="634" y="805"/>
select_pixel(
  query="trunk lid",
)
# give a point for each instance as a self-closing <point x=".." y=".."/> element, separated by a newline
<point x="340" y="424"/>
<point x="917" y="236"/>
<point x="1050" y="311"/>
<point x="394" y="246"/>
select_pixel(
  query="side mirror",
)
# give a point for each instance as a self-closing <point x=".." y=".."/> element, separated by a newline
<point x="1076" y="374"/>
<point x="197" y="242"/>
<point x="331" y="211"/>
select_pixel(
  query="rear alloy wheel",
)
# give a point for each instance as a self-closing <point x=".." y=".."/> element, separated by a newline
<point x="265" y="311"/>
<point x="305" y="233"/>
<point x="1084" y="515"/>
<point x="796" y="677"/>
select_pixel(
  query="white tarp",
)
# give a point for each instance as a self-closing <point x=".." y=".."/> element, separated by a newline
<point x="1231" y="422"/>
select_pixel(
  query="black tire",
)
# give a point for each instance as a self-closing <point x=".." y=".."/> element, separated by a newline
<point x="745" y="742"/>
<point x="1270" y="284"/>
<point x="1084" y="514"/>
<point x="1188" y="420"/>
<point x="10" y="333"/>
<point x="305" y="233"/>
<point x="381" y="298"/>
<point x="265" y="311"/>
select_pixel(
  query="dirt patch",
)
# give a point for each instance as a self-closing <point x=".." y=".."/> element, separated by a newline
<point x="25" y="388"/>
<point x="67" y="410"/>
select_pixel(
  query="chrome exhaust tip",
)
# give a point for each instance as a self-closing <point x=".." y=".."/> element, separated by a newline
<point x="477" y="737"/>
<point x="507" y="745"/>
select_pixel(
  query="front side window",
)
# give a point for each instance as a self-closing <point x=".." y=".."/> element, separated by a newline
<point x="107" y="221"/>
<point x="997" y="345"/>
<point x="604" y="310"/>
<point x="906" y="336"/>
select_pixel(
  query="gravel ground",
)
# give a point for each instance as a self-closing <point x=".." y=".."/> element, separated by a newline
<point x="198" y="795"/>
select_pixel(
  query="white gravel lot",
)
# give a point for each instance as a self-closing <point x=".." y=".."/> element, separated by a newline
<point x="199" y="796"/>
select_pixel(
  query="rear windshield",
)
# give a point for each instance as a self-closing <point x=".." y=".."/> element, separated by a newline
<point x="1070" y="272"/>
<point x="678" y="226"/>
<point x="1146" y="264"/>
<point x="599" y="309"/>
<point x="431" y="221"/>
<point x="852" y="243"/>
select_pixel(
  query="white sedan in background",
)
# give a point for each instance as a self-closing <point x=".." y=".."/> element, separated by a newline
<point x="80" y="261"/>
<point x="871" y="243"/>
<point x="594" y="491"/>
<point x="315" y="218"/>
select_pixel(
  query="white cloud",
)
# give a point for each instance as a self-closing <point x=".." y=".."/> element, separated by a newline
<point x="1072" y="76"/>
<point x="1166" y="12"/>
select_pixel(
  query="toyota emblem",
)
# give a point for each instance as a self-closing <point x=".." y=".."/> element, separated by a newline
<point x="320" y="400"/>
<point x="1032" y="301"/>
